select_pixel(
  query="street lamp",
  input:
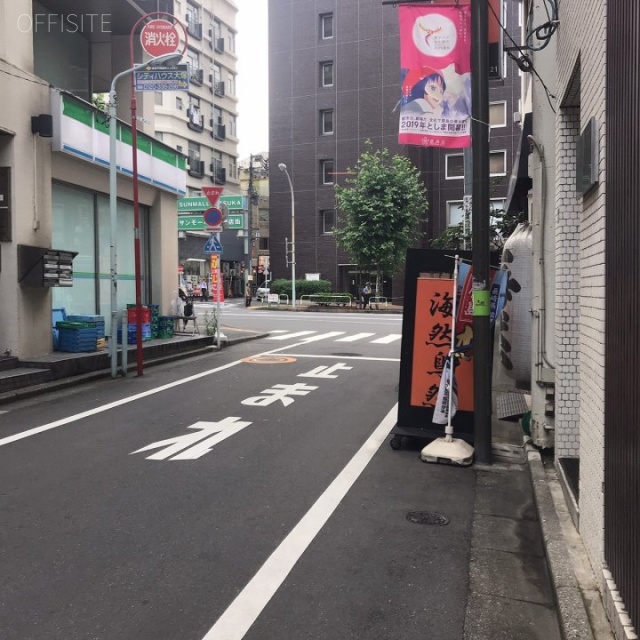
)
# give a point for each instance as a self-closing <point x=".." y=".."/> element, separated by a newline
<point x="113" y="211"/>
<point x="283" y="167"/>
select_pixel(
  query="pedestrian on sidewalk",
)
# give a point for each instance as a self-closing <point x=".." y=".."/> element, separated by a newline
<point x="366" y="295"/>
<point x="247" y="295"/>
<point x="203" y="290"/>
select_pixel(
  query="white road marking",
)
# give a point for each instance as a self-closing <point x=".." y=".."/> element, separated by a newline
<point x="234" y="623"/>
<point x="111" y="405"/>
<point x="192" y="446"/>
<point x="118" y="403"/>
<point x="297" y="334"/>
<point x="322" y="336"/>
<point x="341" y="357"/>
<point x="278" y="330"/>
<point x="392" y="337"/>
<point x="357" y="336"/>
<point x="325" y="372"/>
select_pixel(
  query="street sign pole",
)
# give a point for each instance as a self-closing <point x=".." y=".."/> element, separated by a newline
<point x="218" y="319"/>
<point x="163" y="39"/>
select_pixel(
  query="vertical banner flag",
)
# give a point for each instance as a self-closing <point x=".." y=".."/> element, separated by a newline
<point x="435" y="60"/>
<point x="441" y="410"/>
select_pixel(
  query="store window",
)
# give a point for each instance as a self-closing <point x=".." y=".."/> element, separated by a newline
<point x="454" y="166"/>
<point x="82" y="223"/>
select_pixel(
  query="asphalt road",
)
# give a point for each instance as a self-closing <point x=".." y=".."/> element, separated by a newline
<point x="246" y="494"/>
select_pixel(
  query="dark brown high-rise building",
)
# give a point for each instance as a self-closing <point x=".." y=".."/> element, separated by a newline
<point x="334" y="82"/>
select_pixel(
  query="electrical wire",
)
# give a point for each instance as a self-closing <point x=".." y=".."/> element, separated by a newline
<point x="524" y="61"/>
<point x="543" y="32"/>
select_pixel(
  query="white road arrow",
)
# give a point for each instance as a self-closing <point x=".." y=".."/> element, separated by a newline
<point x="194" y="445"/>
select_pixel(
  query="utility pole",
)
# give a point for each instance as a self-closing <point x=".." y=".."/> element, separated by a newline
<point x="482" y="356"/>
<point x="247" y="240"/>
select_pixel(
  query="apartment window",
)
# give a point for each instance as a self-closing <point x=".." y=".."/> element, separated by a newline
<point x="326" y="74"/>
<point x="231" y="80"/>
<point x="326" y="122"/>
<point x="263" y="244"/>
<point x="498" y="163"/>
<point x="232" y="168"/>
<point x="326" y="171"/>
<point x="158" y="97"/>
<point x="179" y="148"/>
<point x="193" y="60"/>
<point x="179" y="104"/>
<point x="454" y="166"/>
<point x="232" y="42"/>
<point x="232" y="124"/>
<point x="159" y="136"/>
<point x="326" y="26"/>
<point x="194" y="151"/>
<point x="498" y="114"/>
<point x="327" y="221"/>
<point x="455" y="211"/>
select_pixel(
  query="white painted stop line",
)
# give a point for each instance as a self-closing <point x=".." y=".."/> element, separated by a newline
<point x="291" y="335"/>
<point x="234" y="623"/>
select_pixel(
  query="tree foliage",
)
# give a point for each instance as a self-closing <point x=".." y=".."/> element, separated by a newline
<point x="382" y="204"/>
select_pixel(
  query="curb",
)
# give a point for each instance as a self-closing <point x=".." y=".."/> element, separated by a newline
<point x="25" y="393"/>
<point x="572" y="614"/>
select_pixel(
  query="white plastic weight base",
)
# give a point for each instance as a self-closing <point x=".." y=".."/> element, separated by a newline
<point x="443" y="451"/>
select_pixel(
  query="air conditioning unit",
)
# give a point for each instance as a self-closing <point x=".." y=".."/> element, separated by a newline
<point x="517" y="117"/>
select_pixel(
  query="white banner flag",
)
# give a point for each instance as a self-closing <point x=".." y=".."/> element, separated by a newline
<point x="441" y="410"/>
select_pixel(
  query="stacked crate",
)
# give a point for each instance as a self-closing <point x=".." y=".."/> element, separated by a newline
<point x="155" y="320"/>
<point x="77" y="337"/>
<point x="132" y="322"/>
<point x="96" y="320"/>
<point x="165" y="326"/>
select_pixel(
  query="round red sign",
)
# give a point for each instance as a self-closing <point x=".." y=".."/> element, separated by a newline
<point x="159" y="37"/>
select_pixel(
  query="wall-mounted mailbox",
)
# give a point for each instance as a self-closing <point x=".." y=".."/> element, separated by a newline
<point x="41" y="267"/>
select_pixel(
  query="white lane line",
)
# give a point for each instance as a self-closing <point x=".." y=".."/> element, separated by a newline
<point x="234" y="623"/>
<point x="340" y="357"/>
<point x="123" y="401"/>
<point x="357" y="336"/>
<point x="322" y="336"/>
<point x="111" y="405"/>
<point x="275" y="330"/>
<point x="297" y="334"/>
<point x="392" y="337"/>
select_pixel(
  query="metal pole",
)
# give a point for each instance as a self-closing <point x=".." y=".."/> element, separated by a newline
<point x="218" y="279"/>
<point x="283" y="167"/>
<point x="113" y="216"/>
<point x="136" y="216"/>
<point x="480" y="233"/>
<point x="249" y="223"/>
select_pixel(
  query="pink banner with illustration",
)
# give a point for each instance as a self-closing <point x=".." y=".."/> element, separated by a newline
<point x="435" y="57"/>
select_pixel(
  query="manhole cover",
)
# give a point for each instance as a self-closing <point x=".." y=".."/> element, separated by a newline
<point x="269" y="360"/>
<point x="427" y="517"/>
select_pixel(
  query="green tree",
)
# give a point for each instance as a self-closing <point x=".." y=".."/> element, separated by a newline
<point x="383" y="204"/>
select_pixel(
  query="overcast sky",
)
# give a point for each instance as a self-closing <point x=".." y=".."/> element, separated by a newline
<point x="253" y="106"/>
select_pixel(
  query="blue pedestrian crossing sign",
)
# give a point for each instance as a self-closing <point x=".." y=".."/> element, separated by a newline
<point x="213" y="245"/>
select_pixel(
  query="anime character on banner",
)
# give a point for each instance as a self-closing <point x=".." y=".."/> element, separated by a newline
<point x="435" y="52"/>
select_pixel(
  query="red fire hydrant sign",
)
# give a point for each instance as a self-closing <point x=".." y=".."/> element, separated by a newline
<point x="159" y="37"/>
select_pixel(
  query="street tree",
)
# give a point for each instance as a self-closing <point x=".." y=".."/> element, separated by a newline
<point x="383" y="204"/>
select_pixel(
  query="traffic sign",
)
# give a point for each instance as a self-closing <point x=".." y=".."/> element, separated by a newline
<point x="235" y="221"/>
<point x="159" y="38"/>
<point x="213" y="245"/>
<point x="212" y="217"/>
<point x="212" y="194"/>
<point x="159" y="78"/>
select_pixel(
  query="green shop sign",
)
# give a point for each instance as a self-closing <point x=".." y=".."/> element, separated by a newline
<point x="191" y="223"/>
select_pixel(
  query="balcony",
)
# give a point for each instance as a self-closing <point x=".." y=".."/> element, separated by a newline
<point x="195" y="167"/>
<point x="194" y="28"/>
<point x="219" y="132"/>
<point x="195" y="119"/>
<point x="196" y="77"/>
<point x="218" y="174"/>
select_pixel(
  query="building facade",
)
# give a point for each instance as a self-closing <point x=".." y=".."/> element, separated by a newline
<point x="334" y="84"/>
<point x="584" y="170"/>
<point x="54" y="177"/>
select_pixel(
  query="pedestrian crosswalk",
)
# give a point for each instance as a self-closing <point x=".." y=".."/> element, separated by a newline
<point x="335" y="336"/>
